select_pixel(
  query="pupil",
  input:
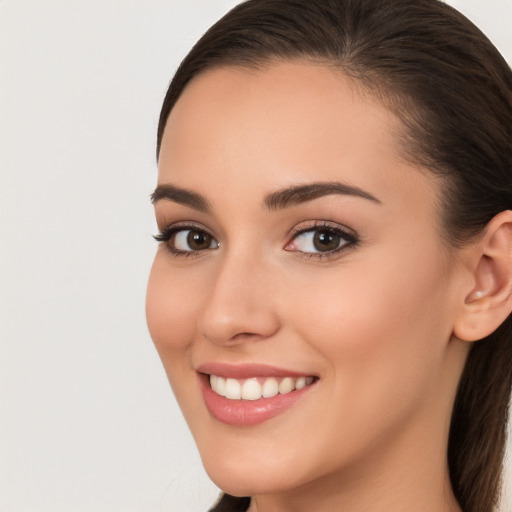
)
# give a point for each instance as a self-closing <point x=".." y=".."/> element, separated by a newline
<point x="198" y="241"/>
<point x="325" y="241"/>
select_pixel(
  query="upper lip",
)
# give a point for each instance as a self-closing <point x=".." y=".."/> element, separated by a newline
<point x="246" y="371"/>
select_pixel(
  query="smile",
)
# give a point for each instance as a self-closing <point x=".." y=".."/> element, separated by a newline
<point x="256" y="388"/>
<point x="249" y="394"/>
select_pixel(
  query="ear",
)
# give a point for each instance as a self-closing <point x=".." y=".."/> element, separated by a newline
<point x="489" y="301"/>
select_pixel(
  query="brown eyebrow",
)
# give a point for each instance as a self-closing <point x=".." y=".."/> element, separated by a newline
<point x="285" y="198"/>
<point x="302" y="193"/>
<point x="181" y="196"/>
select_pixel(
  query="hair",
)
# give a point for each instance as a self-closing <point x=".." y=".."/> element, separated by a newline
<point x="452" y="91"/>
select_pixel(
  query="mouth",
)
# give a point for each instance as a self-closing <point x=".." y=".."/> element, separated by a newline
<point x="250" y="394"/>
<point x="256" y="388"/>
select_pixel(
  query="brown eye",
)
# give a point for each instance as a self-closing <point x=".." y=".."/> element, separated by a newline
<point x="324" y="241"/>
<point x="198" y="240"/>
<point x="187" y="240"/>
<point x="321" y="240"/>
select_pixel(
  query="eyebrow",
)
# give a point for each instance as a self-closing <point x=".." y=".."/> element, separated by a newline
<point x="289" y="196"/>
<point x="181" y="196"/>
<point x="298" y="194"/>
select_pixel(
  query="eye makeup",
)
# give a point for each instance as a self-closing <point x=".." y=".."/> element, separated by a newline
<point x="316" y="239"/>
<point x="186" y="239"/>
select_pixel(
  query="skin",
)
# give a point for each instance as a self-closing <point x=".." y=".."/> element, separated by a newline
<point x="374" y="322"/>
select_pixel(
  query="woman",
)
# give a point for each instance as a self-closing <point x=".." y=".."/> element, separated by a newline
<point x="332" y="291"/>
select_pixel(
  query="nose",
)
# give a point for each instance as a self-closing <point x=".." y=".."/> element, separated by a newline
<point x="239" y="306"/>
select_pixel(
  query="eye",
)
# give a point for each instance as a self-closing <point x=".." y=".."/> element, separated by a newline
<point x="193" y="240"/>
<point x="186" y="239"/>
<point x="321" y="240"/>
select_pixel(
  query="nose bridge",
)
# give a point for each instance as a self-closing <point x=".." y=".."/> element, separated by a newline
<point x="239" y="305"/>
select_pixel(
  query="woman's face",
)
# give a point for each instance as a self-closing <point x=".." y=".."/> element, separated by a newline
<point x="300" y="251"/>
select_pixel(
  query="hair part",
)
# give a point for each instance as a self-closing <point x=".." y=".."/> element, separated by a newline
<point x="452" y="91"/>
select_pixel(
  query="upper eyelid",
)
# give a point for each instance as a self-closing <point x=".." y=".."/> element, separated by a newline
<point x="319" y="224"/>
<point x="183" y="226"/>
<point x="165" y="233"/>
<point x="182" y="223"/>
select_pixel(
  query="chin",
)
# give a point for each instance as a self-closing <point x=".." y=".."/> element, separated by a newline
<point x="246" y="470"/>
<point x="244" y="480"/>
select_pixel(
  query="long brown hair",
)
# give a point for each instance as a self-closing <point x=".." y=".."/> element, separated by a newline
<point x="453" y="92"/>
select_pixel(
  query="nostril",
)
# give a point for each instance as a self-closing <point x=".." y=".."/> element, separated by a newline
<point x="235" y="339"/>
<point x="244" y="335"/>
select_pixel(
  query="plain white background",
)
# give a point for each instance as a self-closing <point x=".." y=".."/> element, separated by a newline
<point x="87" y="420"/>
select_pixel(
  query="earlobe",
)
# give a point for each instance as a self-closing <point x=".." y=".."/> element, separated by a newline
<point x="489" y="301"/>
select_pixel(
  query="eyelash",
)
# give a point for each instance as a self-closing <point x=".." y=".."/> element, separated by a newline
<point x="349" y="236"/>
<point x="351" y="240"/>
<point x="165" y="235"/>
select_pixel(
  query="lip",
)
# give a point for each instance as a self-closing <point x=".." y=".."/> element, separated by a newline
<point x="247" y="412"/>
<point x="246" y="371"/>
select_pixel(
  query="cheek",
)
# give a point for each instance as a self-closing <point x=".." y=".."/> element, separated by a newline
<point x="170" y="312"/>
<point x="381" y="324"/>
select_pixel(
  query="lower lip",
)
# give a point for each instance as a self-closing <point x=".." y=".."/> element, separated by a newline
<point x="248" y="412"/>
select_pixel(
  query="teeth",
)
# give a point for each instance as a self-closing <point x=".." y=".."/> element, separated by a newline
<point x="221" y="386"/>
<point x="301" y="382"/>
<point x="251" y="390"/>
<point x="233" y="389"/>
<point x="270" y="388"/>
<point x="254" y="388"/>
<point x="287" y="385"/>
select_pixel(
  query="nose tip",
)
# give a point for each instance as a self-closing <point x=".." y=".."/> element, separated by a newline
<point x="238" y="329"/>
<point x="239" y="308"/>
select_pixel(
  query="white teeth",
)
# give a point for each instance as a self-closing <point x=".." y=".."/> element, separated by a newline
<point x="233" y="389"/>
<point x="218" y="384"/>
<point x="270" y="388"/>
<point x="287" y="385"/>
<point x="253" y="389"/>
<point x="301" y="382"/>
<point x="221" y="386"/>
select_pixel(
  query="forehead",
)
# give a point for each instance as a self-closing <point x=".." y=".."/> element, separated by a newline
<point x="285" y="101"/>
<point x="283" y="124"/>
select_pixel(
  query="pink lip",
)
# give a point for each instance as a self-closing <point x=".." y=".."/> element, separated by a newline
<point x="246" y="371"/>
<point x="247" y="412"/>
